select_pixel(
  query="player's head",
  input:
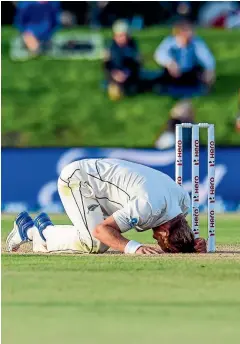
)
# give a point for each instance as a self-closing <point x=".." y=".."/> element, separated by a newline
<point x="176" y="236"/>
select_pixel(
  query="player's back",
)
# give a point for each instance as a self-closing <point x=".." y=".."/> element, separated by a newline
<point x="121" y="180"/>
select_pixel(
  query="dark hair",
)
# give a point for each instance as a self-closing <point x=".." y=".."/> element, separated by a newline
<point x="182" y="23"/>
<point x="181" y="238"/>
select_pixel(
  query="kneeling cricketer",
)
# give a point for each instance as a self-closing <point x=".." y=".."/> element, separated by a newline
<point x="104" y="198"/>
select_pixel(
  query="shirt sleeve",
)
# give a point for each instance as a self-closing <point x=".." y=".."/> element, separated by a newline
<point x="185" y="204"/>
<point x="135" y="213"/>
<point x="162" y="54"/>
<point x="204" y="56"/>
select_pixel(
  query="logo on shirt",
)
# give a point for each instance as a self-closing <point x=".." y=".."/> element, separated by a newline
<point x="92" y="207"/>
<point x="132" y="221"/>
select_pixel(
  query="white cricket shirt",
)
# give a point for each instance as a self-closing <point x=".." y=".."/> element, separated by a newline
<point x="136" y="195"/>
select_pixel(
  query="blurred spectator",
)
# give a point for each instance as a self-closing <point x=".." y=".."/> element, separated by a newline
<point x="182" y="112"/>
<point x="184" y="9"/>
<point x="122" y="63"/>
<point x="232" y="21"/>
<point x="186" y="59"/>
<point x="67" y="19"/>
<point x="37" y="21"/>
<point x="96" y="12"/>
<point x="219" y="13"/>
<point x="179" y="10"/>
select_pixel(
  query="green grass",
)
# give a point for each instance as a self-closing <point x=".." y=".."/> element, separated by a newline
<point x="122" y="299"/>
<point x="52" y="103"/>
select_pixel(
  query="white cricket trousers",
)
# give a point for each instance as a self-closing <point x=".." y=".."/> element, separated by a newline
<point x="84" y="212"/>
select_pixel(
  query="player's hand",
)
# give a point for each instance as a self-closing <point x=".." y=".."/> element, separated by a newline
<point x="200" y="245"/>
<point x="208" y="77"/>
<point x="148" y="250"/>
<point x="173" y="69"/>
<point x="119" y="76"/>
<point x="31" y="42"/>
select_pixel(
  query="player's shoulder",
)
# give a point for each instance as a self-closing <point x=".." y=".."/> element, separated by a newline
<point x="143" y="205"/>
<point x="171" y="40"/>
<point x="142" y="210"/>
<point x="197" y="40"/>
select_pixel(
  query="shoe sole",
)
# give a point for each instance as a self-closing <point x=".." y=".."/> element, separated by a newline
<point x="9" y="238"/>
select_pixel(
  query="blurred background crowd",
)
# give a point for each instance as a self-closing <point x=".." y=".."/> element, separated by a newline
<point x="98" y="14"/>
<point x="115" y="74"/>
<point x="183" y="63"/>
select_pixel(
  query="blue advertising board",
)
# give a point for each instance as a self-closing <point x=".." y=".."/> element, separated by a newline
<point x="29" y="176"/>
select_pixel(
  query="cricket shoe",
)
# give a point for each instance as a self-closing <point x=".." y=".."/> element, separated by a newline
<point x="41" y="222"/>
<point x="18" y="235"/>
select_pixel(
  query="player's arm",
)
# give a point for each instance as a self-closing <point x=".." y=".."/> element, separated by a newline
<point x="110" y="234"/>
<point x="206" y="60"/>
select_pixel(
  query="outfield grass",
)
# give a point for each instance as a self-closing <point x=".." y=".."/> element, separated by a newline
<point x="61" y="103"/>
<point x="121" y="299"/>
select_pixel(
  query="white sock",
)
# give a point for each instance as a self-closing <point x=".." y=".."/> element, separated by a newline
<point x="29" y="233"/>
<point x="39" y="245"/>
<point x="62" y="238"/>
<point x="46" y="231"/>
